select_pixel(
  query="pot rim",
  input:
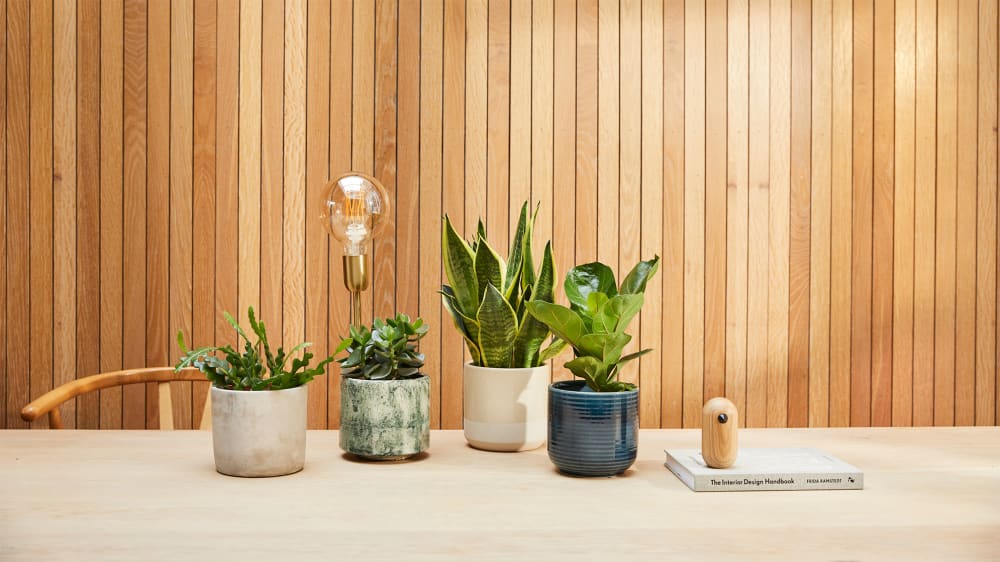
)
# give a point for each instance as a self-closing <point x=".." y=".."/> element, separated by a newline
<point x="383" y="381"/>
<point x="558" y="388"/>
<point x="474" y="366"/>
<point x="255" y="392"/>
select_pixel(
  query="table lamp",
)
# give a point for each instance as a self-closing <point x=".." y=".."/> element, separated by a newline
<point x="355" y="211"/>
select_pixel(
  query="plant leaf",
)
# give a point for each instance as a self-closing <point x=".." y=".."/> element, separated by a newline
<point x="589" y="369"/>
<point x="459" y="266"/>
<point x="635" y="281"/>
<point x="497" y="343"/>
<point x="489" y="268"/>
<point x="563" y="322"/>
<point x="615" y="315"/>
<point x="515" y="263"/>
<point x="588" y="278"/>
<point x="550" y="352"/>
<point x="533" y="332"/>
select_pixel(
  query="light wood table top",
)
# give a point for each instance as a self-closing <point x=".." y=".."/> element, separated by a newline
<point x="143" y="495"/>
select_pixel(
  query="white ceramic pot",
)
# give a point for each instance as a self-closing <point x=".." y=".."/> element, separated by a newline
<point x="505" y="409"/>
<point x="259" y="433"/>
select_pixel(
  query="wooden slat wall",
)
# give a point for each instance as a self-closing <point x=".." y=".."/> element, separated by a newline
<point x="819" y="177"/>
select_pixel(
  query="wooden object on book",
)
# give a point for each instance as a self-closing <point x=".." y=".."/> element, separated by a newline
<point x="49" y="402"/>
<point x="719" y="423"/>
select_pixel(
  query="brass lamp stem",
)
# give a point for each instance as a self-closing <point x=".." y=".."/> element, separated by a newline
<point x="356" y="280"/>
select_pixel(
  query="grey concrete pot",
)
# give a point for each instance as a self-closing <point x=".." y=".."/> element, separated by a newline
<point x="259" y="433"/>
<point x="385" y="419"/>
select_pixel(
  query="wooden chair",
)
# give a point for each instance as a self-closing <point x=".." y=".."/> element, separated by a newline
<point x="49" y="402"/>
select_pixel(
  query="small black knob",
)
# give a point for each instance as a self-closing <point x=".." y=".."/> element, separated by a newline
<point x="723" y="418"/>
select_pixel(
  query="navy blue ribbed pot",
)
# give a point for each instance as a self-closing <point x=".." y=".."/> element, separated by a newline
<point x="592" y="433"/>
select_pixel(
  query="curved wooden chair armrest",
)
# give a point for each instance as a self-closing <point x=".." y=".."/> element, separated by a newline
<point x="49" y="402"/>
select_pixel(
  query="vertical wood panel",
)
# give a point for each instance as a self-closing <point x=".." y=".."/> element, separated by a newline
<point x="694" y="211"/>
<point x="204" y="233"/>
<point x="64" y="205"/>
<point x="943" y="391"/>
<point x="924" y="255"/>
<point x="408" y="125"/>
<point x="586" y="129"/>
<point x="249" y="247"/>
<point x="986" y="222"/>
<point x="453" y="347"/>
<point x="965" y="299"/>
<point x="134" y="207"/>
<point x="88" y="204"/>
<point x="317" y="172"/>
<point x="519" y="162"/>
<point x="630" y="165"/>
<point x="841" y="163"/>
<point x="3" y="217"/>
<point x="112" y="51"/>
<point x="819" y="220"/>
<point x="863" y="88"/>
<point x="651" y="213"/>
<point x="608" y="140"/>
<point x="883" y="197"/>
<point x="476" y="79"/>
<point x="498" y="94"/>
<point x="294" y="211"/>
<point x="715" y="199"/>
<point x="18" y="220"/>
<point x="903" y="255"/>
<point x="759" y="187"/>
<point x="672" y="272"/>
<point x="799" y="227"/>
<point x="431" y="22"/>
<point x="272" y="50"/>
<point x="384" y="266"/>
<point x="226" y="169"/>
<point x="778" y="214"/>
<point x="737" y="202"/>
<point x="181" y="177"/>
<point x="541" y="120"/>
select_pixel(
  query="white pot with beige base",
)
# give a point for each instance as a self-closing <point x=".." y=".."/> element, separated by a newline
<point x="506" y="409"/>
<point x="259" y="433"/>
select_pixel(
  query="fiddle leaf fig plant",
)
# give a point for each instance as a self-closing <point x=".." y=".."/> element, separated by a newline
<point x="388" y="351"/>
<point x="256" y="368"/>
<point x="595" y="323"/>
<point x="488" y="298"/>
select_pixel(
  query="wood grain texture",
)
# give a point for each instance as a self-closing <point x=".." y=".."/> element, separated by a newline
<point x="883" y="213"/>
<point x="986" y="220"/>
<point x="111" y="241"/>
<point x="64" y="195"/>
<point x="819" y="219"/>
<point x="88" y="142"/>
<point x="819" y="179"/>
<point x="903" y="222"/>
<point x="863" y="88"/>
<point x="134" y="208"/>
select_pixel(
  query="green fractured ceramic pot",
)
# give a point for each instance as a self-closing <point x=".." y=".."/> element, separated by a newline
<point x="385" y="419"/>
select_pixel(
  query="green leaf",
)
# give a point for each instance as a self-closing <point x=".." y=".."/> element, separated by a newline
<point x="594" y="303"/>
<point x="497" y="343"/>
<point x="489" y="268"/>
<point x="468" y="327"/>
<point x="533" y="332"/>
<point x="459" y="266"/>
<point x="515" y="264"/>
<point x="528" y="273"/>
<point x="552" y="351"/>
<point x="633" y="356"/>
<point x="588" y="278"/>
<point x="589" y="369"/>
<point x="563" y="322"/>
<point x="635" y="281"/>
<point x="234" y="324"/>
<point x="616" y="314"/>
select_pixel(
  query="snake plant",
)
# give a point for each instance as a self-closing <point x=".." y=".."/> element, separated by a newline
<point x="596" y="321"/>
<point x="488" y="297"/>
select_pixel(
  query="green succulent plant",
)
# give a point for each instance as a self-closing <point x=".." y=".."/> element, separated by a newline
<point x="595" y="323"/>
<point x="488" y="297"/>
<point x="388" y="351"/>
<point x="254" y="369"/>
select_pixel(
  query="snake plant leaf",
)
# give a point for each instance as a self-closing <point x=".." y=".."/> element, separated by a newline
<point x="635" y="281"/>
<point x="550" y="352"/>
<point x="563" y="322"/>
<point x="515" y="264"/>
<point x="497" y="343"/>
<point x="528" y="275"/>
<point x="489" y="268"/>
<point x="468" y="327"/>
<point x="533" y="333"/>
<point x="588" y="278"/>
<point x="459" y="266"/>
<point x="616" y="314"/>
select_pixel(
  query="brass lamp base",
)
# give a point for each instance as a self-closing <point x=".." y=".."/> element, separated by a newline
<point x="356" y="280"/>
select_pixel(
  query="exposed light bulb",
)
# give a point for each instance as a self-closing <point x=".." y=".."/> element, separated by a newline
<point x="355" y="210"/>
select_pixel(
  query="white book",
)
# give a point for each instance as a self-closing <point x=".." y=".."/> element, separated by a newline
<point x="766" y="469"/>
